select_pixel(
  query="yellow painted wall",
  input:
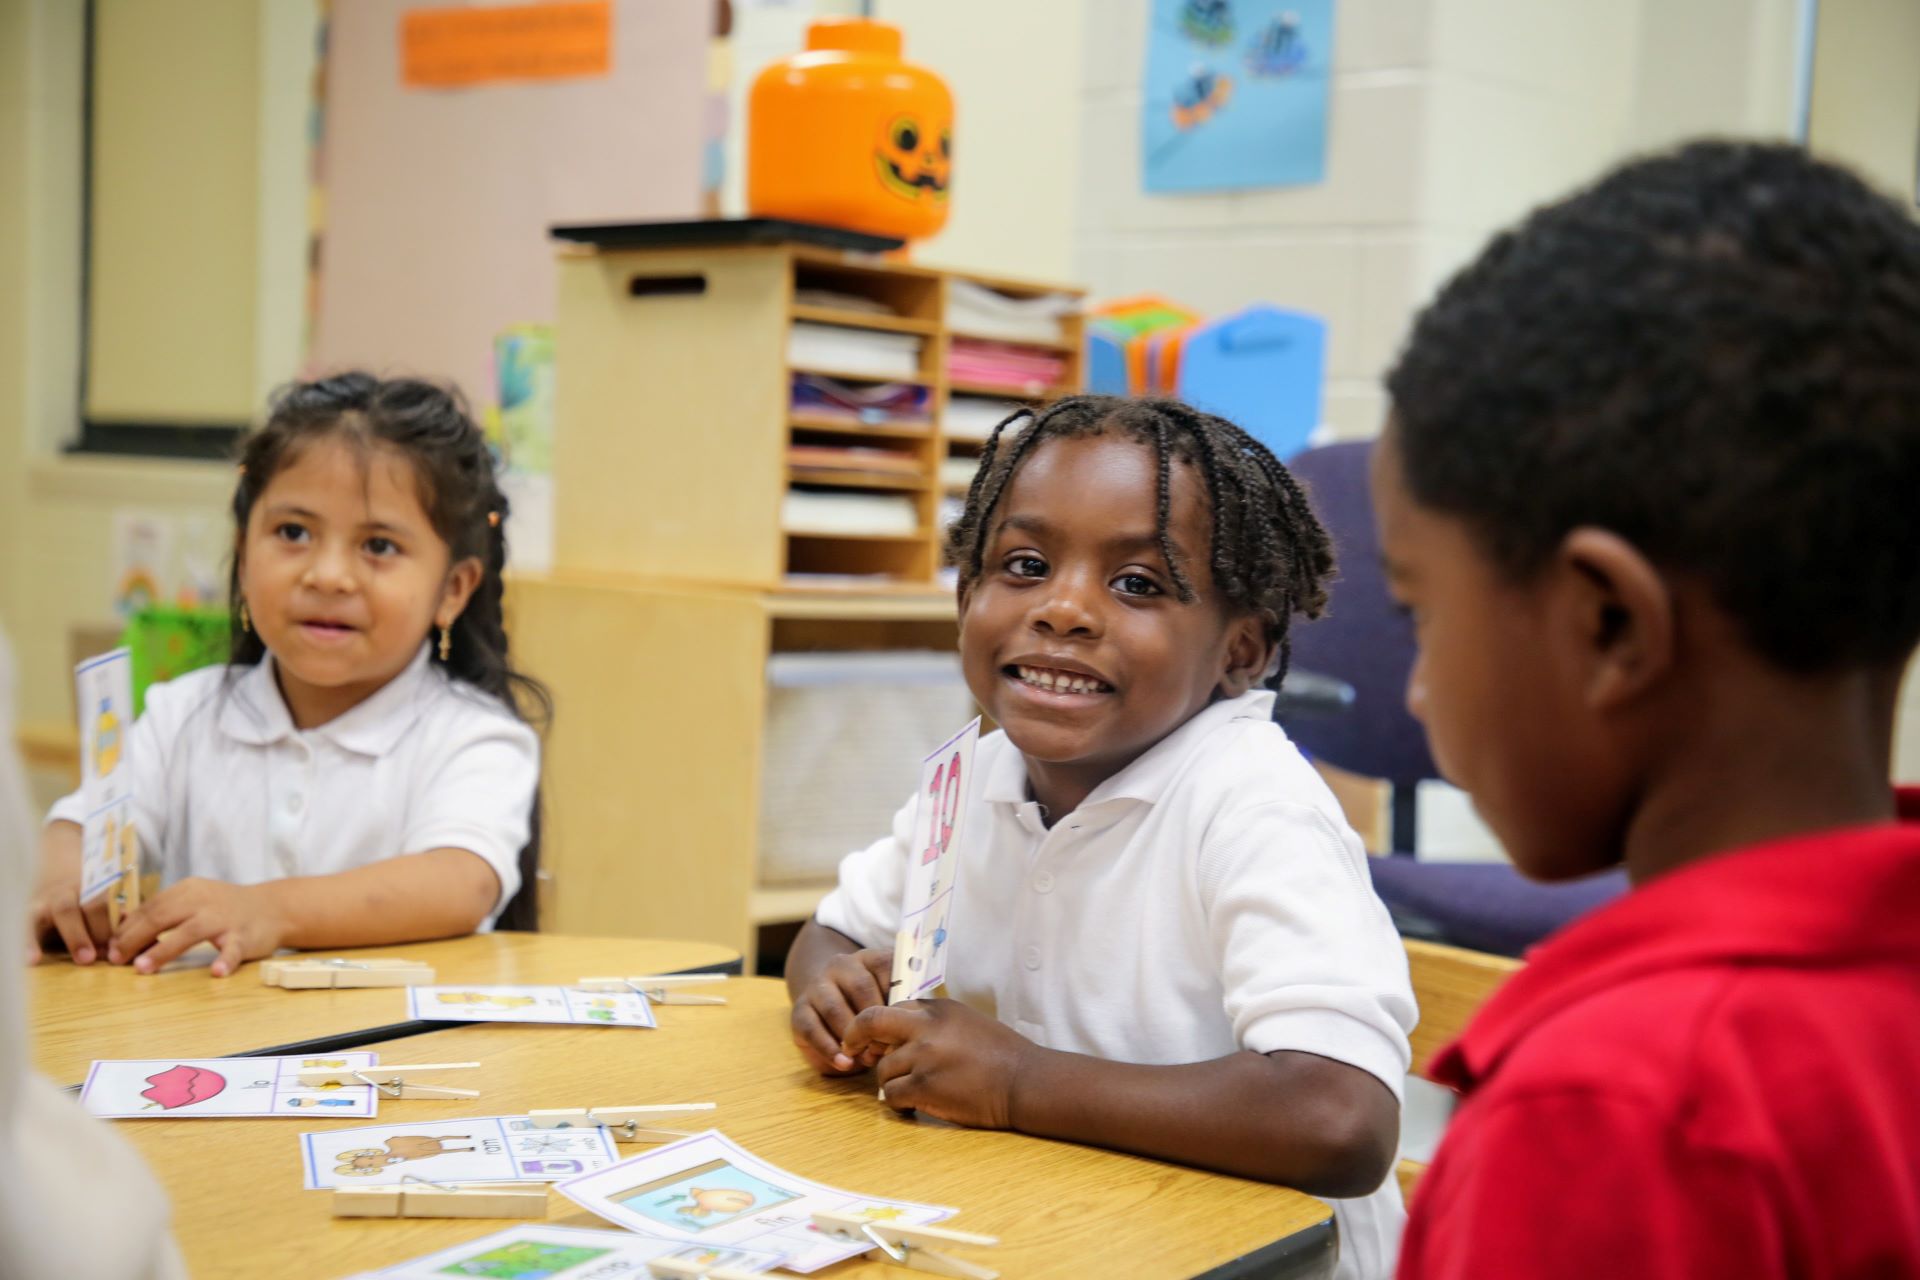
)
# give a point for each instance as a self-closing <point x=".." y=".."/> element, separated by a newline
<point x="175" y="194"/>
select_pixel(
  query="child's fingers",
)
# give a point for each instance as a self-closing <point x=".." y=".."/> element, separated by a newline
<point x="99" y="922"/>
<point x="170" y="942"/>
<point x="881" y="1025"/>
<point x="899" y="1087"/>
<point x="817" y="1045"/>
<point x="830" y="1004"/>
<point x="858" y="982"/>
<point x="138" y="931"/>
<point x="232" y="954"/>
<point x="63" y="913"/>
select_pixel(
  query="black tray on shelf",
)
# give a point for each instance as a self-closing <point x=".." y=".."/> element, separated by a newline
<point x="720" y="231"/>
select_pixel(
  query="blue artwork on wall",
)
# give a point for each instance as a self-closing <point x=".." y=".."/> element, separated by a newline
<point x="1235" y="94"/>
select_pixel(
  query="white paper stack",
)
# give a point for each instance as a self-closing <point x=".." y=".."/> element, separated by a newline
<point x="880" y="355"/>
<point x="975" y="417"/>
<point x="987" y="313"/>
<point x="808" y="511"/>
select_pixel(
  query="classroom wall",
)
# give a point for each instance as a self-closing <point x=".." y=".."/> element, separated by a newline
<point x="55" y="511"/>
<point x="1866" y="89"/>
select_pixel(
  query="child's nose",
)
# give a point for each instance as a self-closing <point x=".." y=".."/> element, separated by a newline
<point x="1417" y="689"/>
<point x="1067" y="608"/>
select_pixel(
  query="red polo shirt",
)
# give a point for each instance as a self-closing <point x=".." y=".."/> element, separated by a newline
<point x="1717" y="1075"/>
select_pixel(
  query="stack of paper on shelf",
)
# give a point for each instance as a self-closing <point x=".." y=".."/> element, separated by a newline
<point x="858" y="459"/>
<point x="877" y="404"/>
<point x="844" y="514"/>
<point x="974" y="417"/>
<point x="834" y="300"/>
<point x="829" y="346"/>
<point x="1000" y="364"/>
<point x="976" y="309"/>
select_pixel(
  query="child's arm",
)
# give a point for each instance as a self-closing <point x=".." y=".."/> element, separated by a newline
<point x="832" y="979"/>
<point x="1324" y="1127"/>
<point x="441" y="893"/>
<point x="56" y="909"/>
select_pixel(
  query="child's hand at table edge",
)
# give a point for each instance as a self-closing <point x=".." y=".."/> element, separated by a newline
<point x="826" y="1008"/>
<point x="56" y="912"/>
<point x="242" y="921"/>
<point x="943" y="1058"/>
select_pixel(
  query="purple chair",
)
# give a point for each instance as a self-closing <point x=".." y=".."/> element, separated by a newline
<point x="1366" y="642"/>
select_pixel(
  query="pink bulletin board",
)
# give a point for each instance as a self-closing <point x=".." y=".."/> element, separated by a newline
<point x="437" y="201"/>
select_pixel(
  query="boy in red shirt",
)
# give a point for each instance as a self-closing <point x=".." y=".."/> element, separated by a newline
<point x="1651" y="491"/>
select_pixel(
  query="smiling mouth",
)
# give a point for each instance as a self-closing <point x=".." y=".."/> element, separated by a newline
<point x="896" y="177"/>
<point x="1054" y="680"/>
<point x="327" y="627"/>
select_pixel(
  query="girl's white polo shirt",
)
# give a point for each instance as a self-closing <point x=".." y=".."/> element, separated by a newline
<point x="1208" y="898"/>
<point x="225" y="787"/>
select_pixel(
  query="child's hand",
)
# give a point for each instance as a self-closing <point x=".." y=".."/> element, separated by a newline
<point x="825" y="1010"/>
<point x="241" y="920"/>
<point x="943" y="1058"/>
<point x="57" y="911"/>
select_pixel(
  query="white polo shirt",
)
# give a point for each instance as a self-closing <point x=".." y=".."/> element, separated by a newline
<point x="227" y="788"/>
<point x="1208" y="898"/>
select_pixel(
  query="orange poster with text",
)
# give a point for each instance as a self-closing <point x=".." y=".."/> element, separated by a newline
<point x="450" y="48"/>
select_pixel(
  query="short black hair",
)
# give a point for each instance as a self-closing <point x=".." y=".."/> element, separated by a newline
<point x="1713" y="352"/>
<point x="1268" y="551"/>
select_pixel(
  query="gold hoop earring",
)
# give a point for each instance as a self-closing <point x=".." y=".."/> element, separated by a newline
<point x="446" y="643"/>
<point x="246" y="622"/>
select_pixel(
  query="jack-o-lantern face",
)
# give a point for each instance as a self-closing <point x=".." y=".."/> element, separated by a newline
<point x="914" y="158"/>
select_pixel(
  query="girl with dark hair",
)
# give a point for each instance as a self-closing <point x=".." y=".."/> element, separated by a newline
<point x="369" y="709"/>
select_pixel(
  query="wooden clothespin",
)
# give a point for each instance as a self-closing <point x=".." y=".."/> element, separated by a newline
<point x="662" y="988"/>
<point x="392" y="1082"/>
<point x="624" y="1123"/>
<point x="679" y="1268"/>
<point x="307" y="973"/>
<point x="442" y="1200"/>
<point x="915" y="1247"/>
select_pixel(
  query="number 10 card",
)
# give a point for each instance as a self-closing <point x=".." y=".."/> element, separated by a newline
<point x="920" y="948"/>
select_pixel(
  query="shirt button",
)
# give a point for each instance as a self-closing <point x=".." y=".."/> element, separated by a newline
<point x="294" y="802"/>
<point x="1043" y="883"/>
<point x="1032" y="957"/>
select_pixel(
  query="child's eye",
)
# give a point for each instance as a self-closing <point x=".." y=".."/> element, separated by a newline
<point x="290" y="532"/>
<point x="382" y="547"/>
<point x="1136" y="584"/>
<point x="1025" y="566"/>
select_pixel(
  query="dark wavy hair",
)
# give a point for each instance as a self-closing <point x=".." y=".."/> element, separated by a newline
<point x="1269" y="553"/>
<point x="430" y="427"/>
<point x="1714" y="353"/>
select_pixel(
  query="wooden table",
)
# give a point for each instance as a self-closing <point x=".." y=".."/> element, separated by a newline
<point x="1059" y="1209"/>
<point x="109" y="1011"/>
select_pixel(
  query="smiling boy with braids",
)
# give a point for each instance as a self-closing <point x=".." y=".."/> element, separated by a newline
<point x="1165" y="940"/>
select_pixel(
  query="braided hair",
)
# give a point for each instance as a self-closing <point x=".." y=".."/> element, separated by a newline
<point x="454" y="470"/>
<point x="1268" y="552"/>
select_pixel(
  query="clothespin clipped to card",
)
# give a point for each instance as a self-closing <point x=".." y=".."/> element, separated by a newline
<point x="392" y="1082"/>
<point x="442" y="1200"/>
<point x="308" y="973"/>
<point x="915" y="1247"/>
<point x="678" y="1268"/>
<point x="624" y="1123"/>
<point x="660" y="988"/>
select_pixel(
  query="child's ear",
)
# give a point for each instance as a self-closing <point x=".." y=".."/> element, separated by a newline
<point x="463" y="579"/>
<point x="1619" y="611"/>
<point x="1248" y="654"/>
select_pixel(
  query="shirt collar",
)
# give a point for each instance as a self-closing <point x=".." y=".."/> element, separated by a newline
<point x="257" y="714"/>
<point x="1148" y="777"/>
<point x="1818" y="899"/>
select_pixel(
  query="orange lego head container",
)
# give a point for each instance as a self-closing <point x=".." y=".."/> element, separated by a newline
<point x="850" y="135"/>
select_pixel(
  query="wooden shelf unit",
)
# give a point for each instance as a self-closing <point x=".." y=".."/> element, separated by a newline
<point x="683" y="397"/>
<point x="674" y="582"/>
